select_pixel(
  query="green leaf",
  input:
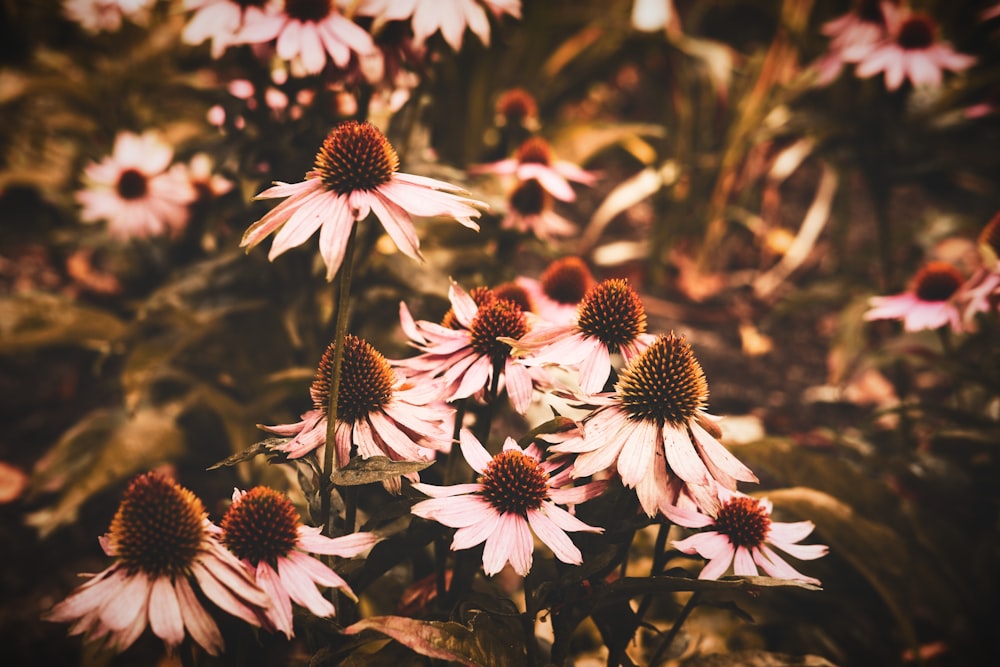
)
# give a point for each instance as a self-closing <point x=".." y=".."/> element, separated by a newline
<point x="360" y="471"/>
<point x="36" y="320"/>
<point x="876" y="551"/>
<point x="475" y="645"/>
<point x="101" y="450"/>
<point x="265" y="447"/>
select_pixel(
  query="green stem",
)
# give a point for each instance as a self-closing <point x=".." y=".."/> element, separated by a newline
<point x="344" y="275"/>
<point x="672" y="634"/>
<point x="455" y="459"/>
<point x="528" y="622"/>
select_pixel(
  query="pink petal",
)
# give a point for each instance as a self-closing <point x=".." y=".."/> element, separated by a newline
<point x="165" y="612"/>
<point x="717" y="457"/>
<point x="333" y="236"/>
<point x="743" y="565"/>
<point x="397" y="224"/>
<point x="475" y="454"/>
<point x="130" y="602"/>
<point x="566" y="521"/>
<point x="682" y="457"/>
<point x="345" y="546"/>
<point x="477" y="533"/>
<point x="456" y="512"/>
<point x="280" y="612"/>
<point x="302" y="589"/>
<point x="289" y="40"/>
<point x="198" y="622"/>
<point x="595" y="370"/>
<point x="716" y="567"/>
<point x="446" y="491"/>
<point x="554" y="538"/>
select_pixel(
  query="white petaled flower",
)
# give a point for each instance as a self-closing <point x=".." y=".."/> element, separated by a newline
<point x="263" y="530"/>
<point x="137" y="190"/>
<point x="309" y="32"/>
<point x="379" y="412"/>
<point x="930" y="303"/>
<point x="514" y="496"/>
<point x="534" y="160"/>
<point x="741" y="535"/>
<point x="221" y="20"/>
<point x="654" y="432"/>
<point x="164" y="547"/>
<point x="450" y="17"/>
<point x="356" y="174"/>
<point x="106" y="15"/>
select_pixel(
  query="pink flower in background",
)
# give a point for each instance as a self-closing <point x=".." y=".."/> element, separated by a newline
<point x="513" y="496"/>
<point x="928" y="304"/>
<point x="263" y="530"/>
<point x="742" y="534"/>
<point x="309" y="32"/>
<point x="221" y="20"/>
<point x="106" y="15"/>
<point x="451" y="17"/>
<point x="530" y="210"/>
<point x="466" y="352"/>
<point x="355" y="174"/>
<point x="162" y="542"/>
<point x="654" y="431"/>
<point x="557" y="294"/>
<point x="609" y="320"/>
<point x="136" y="189"/>
<point x="981" y="292"/>
<point x="534" y="160"/>
<point x="378" y="411"/>
<point x="853" y="36"/>
<point x="912" y="51"/>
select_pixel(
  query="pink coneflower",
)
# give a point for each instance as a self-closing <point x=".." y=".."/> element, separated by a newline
<point x="162" y="542"/>
<point x="263" y="530"/>
<point x="307" y="32"/>
<point x="106" y="15"/>
<point x="928" y="304"/>
<point x="610" y="319"/>
<point x="513" y="497"/>
<point x="355" y="174"/>
<point x="530" y="210"/>
<point x="466" y="352"/>
<point x="451" y="17"/>
<point x="221" y="20"/>
<point x="379" y="412"/>
<point x="655" y="432"/>
<point x="742" y="534"/>
<point x="912" y="50"/>
<point x="557" y="293"/>
<point x="517" y="107"/>
<point x="534" y="160"/>
<point x="136" y="189"/>
<point x="853" y="36"/>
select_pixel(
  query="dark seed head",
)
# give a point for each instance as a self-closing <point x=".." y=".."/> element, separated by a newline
<point x="366" y="381"/>
<point x="261" y="526"/>
<point x="517" y="107"/>
<point x="355" y="156"/>
<point x="567" y="280"/>
<point x="535" y="150"/>
<point x="308" y="10"/>
<point x="665" y="383"/>
<point x="480" y="295"/>
<point x="158" y="528"/>
<point x="744" y="521"/>
<point x="917" y="32"/>
<point x="501" y="317"/>
<point x="530" y="198"/>
<point x="516" y="293"/>
<point x="937" y="281"/>
<point x="612" y="312"/>
<point x="514" y="482"/>
<point x="132" y="184"/>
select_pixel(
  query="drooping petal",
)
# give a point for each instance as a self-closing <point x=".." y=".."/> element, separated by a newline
<point x="198" y="622"/>
<point x="165" y="612"/>
<point x="554" y="538"/>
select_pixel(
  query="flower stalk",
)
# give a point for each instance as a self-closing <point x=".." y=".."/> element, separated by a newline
<point x="343" y="281"/>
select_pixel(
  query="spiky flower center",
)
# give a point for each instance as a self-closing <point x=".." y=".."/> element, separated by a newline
<point x="744" y="521"/>
<point x="664" y="384"/>
<point x="262" y="526"/>
<point x="917" y="32"/>
<point x="514" y="482"/>
<point x="355" y="156"/>
<point x="308" y="10"/>
<point x="366" y="381"/>
<point x="937" y="281"/>
<point x="132" y="184"/>
<point x="529" y="198"/>
<point x="612" y="312"/>
<point x="535" y="150"/>
<point x="567" y="280"/>
<point x="158" y="528"/>
<point x="502" y="317"/>
<point x="516" y="293"/>
<point x="516" y="106"/>
<point x="480" y="295"/>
